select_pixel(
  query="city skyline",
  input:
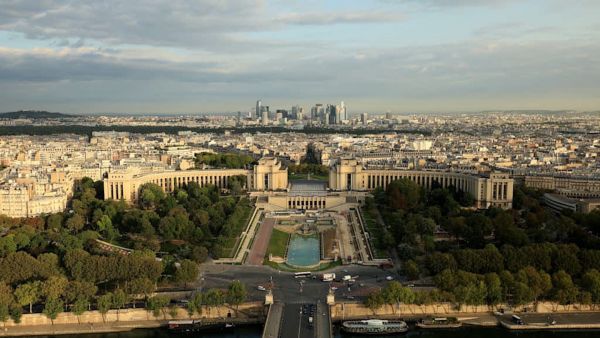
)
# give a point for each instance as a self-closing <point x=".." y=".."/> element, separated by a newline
<point x="219" y="56"/>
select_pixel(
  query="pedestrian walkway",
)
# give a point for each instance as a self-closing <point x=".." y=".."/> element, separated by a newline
<point x="273" y="323"/>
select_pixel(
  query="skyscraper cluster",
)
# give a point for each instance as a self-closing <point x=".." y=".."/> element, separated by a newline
<point x="330" y="114"/>
<point x="319" y="114"/>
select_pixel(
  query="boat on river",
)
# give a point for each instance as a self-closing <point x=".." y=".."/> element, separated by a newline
<point x="439" y="323"/>
<point x="183" y="326"/>
<point x="375" y="326"/>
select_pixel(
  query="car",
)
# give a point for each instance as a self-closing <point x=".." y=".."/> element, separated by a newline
<point x="350" y="297"/>
<point x="389" y="278"/>
<point x="333" y="288"/>
<point x="261" y="288"/>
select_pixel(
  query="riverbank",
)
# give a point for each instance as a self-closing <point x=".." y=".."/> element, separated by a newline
<point x="127" y="319"/>
<point x="571" y="318"/>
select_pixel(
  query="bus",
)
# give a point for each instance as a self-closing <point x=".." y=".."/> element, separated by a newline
<point x="302" y="274"/>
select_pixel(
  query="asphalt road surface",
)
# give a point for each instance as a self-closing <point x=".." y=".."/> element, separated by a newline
<point x="288" y="289"/>
<point x="295" y="321"/>
<point x="557" y="318"/>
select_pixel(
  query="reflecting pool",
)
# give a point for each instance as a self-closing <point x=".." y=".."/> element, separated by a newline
<point x="303" y="250"/>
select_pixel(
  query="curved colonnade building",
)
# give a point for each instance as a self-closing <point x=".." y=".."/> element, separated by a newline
<point x="489" y="190"/>
<point x="125" y="184"/>
<point x="349" y="181"/>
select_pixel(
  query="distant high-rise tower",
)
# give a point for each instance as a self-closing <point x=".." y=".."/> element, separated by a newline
<point x="258" y="109"/>
<point x="343" y="115"/>
<point x="331" y="114"/>
<point x="265" y="117"/>
<point x="364" y="117"/>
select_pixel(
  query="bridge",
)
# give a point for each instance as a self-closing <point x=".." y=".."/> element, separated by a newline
<point x="301" y="320"/>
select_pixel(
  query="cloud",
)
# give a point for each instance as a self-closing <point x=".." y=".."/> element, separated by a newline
<point x="182" y="23"/>
<point x="450" y="3"/>
<point x="211" y="25"/>
<point x="500" y="73"/>
<point x="319" y="18"/>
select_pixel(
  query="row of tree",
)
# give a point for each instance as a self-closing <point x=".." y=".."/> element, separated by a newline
<point x="224" y="160"/>
<point x="527" y="286"/>
<point x="60" y="295"/>
<point x="547" y="257"/>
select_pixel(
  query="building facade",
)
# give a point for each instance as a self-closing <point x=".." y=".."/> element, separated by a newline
<point x="576" y="187"/>
<point x="492" y="190"/>
<point x="20" y="201"/>
<point x="267" y="175"/>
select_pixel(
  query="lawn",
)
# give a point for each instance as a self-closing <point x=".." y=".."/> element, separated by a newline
<point x="375" y="232"/>
<point x="278" y="243"/>
<point x="238" y="221"/>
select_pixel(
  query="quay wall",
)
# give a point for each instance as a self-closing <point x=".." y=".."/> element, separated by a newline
<point x="126" y="319"/>
<point x="355" y="310"/>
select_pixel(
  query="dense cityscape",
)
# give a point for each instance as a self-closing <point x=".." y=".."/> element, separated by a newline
<point x="299" y="169"/>
<point x="494" y="209"/>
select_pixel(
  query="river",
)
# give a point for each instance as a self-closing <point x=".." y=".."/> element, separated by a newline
<point x="255" y="332"/>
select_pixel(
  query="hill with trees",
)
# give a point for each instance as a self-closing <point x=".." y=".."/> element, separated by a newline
<point x="34" y="114"/>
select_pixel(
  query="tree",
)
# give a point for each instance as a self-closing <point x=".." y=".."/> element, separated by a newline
<point x="538" y="282"/>
<point x="54" y="221"/>
<point x="197" y="301"/>
<point x="79" y="307"/>
<point x="186" y="272"/>
<point x="521" y="293"/>
<point x="104" y="304"/>
<point x="54" y="287"/>
<point x="395" y="293"/>
<point x="15" y="313"/>
<point x="105" y="226"/>
<point x="4" y="312"/>
<point x="564" y="292"/>
<point x="214" y="298"/>
<point x="403" y="194"/>
<point x="374" y="301"/>
<point x="410" y="269"/>
<point x="52" y="308"/>
<point x="591" y="284"/>
<point x="173" y="311"/>
<point x="446" y="280"/>
<point x="157" y="304"/>
<point x="6" y="301"/>
<point x="76" y="290"/>
<point x="28" y="293"/>
<point x="140" y="286"/>
<point x="150" y="195"/>
<point x="236" y="293"/>
<point x="7" y="246"/>
<point x="119" y="298"/>
<point x="75" y="223"/>
<point x="494" y="289"/>
<point x="199" y="254"/>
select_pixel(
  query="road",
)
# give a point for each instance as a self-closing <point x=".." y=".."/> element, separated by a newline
<point x="295" y="322"/>
<point x="287" y="289"/>
<point x="543" y="319"/>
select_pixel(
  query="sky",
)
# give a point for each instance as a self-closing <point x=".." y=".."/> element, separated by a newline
<point x="193" y="56"/>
